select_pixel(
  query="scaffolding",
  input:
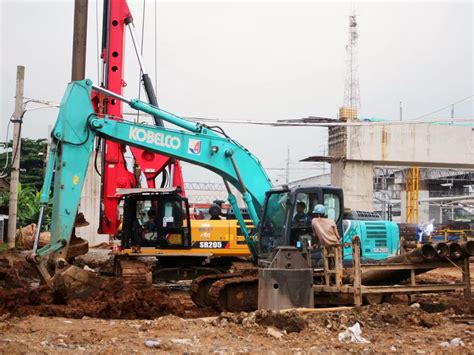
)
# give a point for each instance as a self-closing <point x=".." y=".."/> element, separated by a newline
<point x="412" y="186"/>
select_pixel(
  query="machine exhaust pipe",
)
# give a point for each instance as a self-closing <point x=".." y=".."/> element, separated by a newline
<point x="455" y="250"/>
<point x="442" y="249"/>
<point x="468" y="248"/>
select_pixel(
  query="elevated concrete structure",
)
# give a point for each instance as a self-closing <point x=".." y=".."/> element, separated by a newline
<point x="423" y="145"/>
<point x="354" y="150"/>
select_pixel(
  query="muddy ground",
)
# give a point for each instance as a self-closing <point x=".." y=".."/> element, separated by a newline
<point x="165" y="320"/>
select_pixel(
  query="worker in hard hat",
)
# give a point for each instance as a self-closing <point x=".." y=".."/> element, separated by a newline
<point x="327" y="237"/>
<point x="324" y="229"/>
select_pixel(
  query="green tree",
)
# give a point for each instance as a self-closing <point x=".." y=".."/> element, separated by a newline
<point x="28" y="206"/>
<point x="33" y="155"/>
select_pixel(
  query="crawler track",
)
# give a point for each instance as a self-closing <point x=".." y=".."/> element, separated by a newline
<point x="233" y="292"/>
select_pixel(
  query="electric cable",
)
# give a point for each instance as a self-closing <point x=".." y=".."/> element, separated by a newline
<point x="5" y="169"/>
<point x="218" y="129"/>
<point x="164" y="178"/>
<point x="444" y="108"/>
<point x="87" y="136"/>
<point x="97" y="149"/>
<point x="48" y="104"/>
<point x="19" y="134"/>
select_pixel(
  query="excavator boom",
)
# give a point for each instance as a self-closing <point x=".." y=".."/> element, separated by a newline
<point x="72" y="143"/>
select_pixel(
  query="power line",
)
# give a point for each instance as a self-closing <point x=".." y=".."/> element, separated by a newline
<point x="444" y="108"/>
<point x="291" y="169"/>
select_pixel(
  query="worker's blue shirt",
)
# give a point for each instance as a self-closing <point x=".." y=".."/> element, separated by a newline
<point x="301" y="218"/>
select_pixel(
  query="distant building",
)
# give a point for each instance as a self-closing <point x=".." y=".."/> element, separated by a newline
<point x="443" y="194"/>
<point x="323" y="179"/>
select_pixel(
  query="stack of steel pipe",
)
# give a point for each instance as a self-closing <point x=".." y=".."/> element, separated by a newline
<point x="407" y="231"/>
<point x="426" y="253"/>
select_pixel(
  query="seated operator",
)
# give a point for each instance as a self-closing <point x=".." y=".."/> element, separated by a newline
<point x="215" y="212"/>
<point x="324" y="229"/>
<point x="150" y="226"/>
<point x="301" y="218"/>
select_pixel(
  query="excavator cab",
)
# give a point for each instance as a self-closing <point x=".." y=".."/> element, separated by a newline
<point x="287" y="216"/>
<point x="155" y="218"/>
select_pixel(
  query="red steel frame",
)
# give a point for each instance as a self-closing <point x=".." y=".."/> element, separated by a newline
<point x="115" y="173"/>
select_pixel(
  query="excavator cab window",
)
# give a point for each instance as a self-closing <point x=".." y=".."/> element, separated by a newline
<point x="301" y="232"/>
<point x="160" y="221"/>
<point x="272" y="231"/>
<point x="333" y="206"/>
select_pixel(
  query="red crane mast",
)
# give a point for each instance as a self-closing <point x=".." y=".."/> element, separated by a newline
<point x="115" y="174"/>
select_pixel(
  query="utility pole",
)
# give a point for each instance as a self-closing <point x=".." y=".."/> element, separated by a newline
<point x="288" y="165"/>
<point x="401" y="111"/>
<point x="15" y="170"/>
<point x="79" y="40"/>
<point x="452" y="111"/>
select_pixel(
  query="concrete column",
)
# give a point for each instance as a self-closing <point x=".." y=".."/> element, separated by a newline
<point x="79" y="41"/>
<point x="356" y="179"/>
<point x="16" y="145"/>
<point x="89" y="205"/>
<point x="424" y="208"/>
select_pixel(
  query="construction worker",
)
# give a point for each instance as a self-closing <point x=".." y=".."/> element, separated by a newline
<point x="327" y="237"/>
<point x="301" y="218"/>
<point x="324" y="229"/>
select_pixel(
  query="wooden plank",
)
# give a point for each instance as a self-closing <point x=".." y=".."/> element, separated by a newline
<point x="407" y="288"/>
<point x="357" y="271"/>
<point x="412" y="277"/>
<point x="408" y="266"/>
<point x="333" y="289"/>
<point x="316" y="310"/>
<point x="466" y="278"/>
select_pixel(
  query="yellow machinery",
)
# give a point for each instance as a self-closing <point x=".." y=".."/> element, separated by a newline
<point x="157" y="223"/>
<point x="210" y="238"/>
<point x="412" y="185"/>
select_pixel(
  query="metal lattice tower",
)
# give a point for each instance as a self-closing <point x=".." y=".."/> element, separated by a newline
<point x="351" y="90"/>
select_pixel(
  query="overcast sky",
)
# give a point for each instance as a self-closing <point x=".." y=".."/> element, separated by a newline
<point x="256" y="60"/>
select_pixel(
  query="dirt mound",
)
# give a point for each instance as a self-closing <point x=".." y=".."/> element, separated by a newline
<point x="118" y="302"/>
<point x="15" y="272"/>
<point x="21" y="295"/>
<point x="291" y="322"/>
<point x="379" y="316"/>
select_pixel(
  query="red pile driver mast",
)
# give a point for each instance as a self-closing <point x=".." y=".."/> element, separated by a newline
<point x="117" y="18"/>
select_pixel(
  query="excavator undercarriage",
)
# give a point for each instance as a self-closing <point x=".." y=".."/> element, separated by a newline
<point x="233" y="292"/>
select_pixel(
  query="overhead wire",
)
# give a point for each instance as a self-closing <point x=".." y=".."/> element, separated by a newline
<point x="47" y="104"/>
<point x="4" y="171"/>
<point x="444" y="108"/>
<point x="15" y="153"/>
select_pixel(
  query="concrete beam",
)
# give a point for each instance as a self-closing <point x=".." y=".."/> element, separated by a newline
<point x="356" y="179"/>
<point x="424" y="145"/>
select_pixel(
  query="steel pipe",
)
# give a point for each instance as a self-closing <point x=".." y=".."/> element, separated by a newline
<point x="468" y="248"/>
<point x="442" y="249"/>
<point x="419" y="255"/>
<point x="455" y="250"/>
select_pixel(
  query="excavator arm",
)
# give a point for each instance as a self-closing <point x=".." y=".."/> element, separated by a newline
<point x="72" y="143"/>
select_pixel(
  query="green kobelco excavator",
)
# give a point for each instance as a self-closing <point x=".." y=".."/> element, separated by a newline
<point x="271" y="209"/>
